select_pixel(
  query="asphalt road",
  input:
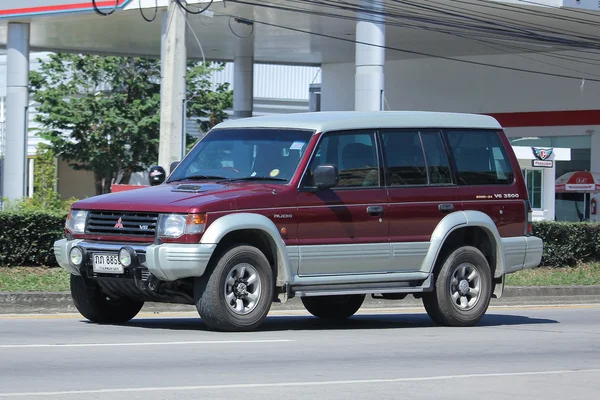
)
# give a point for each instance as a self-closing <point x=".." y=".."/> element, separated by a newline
<point x="527" y="353"/>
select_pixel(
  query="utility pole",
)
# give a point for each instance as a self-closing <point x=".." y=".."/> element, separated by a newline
<point x="173" y="86"/>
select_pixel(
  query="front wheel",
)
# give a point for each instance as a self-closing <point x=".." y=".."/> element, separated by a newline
<point x="237" y="295"/>
<point x="333" y="307"/>
<point x="100" y="308"/>
<point x="463" y="289"/>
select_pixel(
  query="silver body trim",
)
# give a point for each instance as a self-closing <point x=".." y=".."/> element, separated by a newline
<point x="302" y="266"/>
<point x="515" y="249"/>
<point x="463" y="219"/>
<point x="344" y="259"/>
<point x="409" y="256"/>
<point x="61" y="252"/>
<point x="242" y="221"/>
<point x="535" y="248"/>
<point x="172" y="261"/>
<point x="168" y="261"/>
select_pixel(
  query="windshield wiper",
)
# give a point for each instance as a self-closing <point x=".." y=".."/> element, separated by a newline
<point x="197" y="177"/>
<point x="256" y="178"/>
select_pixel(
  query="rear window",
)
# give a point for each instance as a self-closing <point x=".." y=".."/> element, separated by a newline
<point x="480" y="157"/>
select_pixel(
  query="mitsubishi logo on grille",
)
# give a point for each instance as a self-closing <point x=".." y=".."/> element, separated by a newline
<point x="119" y="224"/>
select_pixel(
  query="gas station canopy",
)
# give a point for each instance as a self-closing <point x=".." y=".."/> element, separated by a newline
<point x="298" y="32"/>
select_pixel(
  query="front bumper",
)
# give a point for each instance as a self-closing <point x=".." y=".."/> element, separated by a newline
<point x="167" y="262"/>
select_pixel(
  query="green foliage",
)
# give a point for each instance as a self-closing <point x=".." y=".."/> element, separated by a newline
<point x="202" y="102"/>
<point x="27" y="237"/>
<point x="102" y="114"/>
<point x="45" y="197"/>
<point x="568" y="243"/>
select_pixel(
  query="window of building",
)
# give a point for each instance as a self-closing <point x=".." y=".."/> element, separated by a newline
<point x="480" y="158"/>
<point x="533" y="179"/>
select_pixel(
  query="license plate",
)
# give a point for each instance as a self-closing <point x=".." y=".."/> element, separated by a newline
<point x="106" y="264"/>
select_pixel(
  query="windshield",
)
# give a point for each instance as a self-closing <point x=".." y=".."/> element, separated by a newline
<point x="245" y="154"/>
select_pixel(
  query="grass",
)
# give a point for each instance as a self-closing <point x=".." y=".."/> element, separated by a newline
<point x="40" y="279"/>
<point x="585" y="274"/>
<point x="33" y="279"/>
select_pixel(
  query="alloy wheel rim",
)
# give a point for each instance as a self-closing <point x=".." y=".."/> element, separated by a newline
<point x="465" y="286"/>
<point x="242" y="289"/>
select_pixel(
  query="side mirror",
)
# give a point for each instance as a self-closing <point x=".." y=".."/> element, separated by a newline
<point x="326" y="176"/>
<point x="174" y="165"/>
<point x="157" y="175"/>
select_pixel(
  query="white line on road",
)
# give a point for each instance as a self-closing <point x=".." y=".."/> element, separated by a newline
<point x="26" y="346"/>
<point x="290" y="384"/>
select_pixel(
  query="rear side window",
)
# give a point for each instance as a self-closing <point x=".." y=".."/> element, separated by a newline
<point x="480" y="158"/>
<point x="415" y="158"/>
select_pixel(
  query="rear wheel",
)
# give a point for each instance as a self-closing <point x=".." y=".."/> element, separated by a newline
<point x="462" y="290"/>
<point x="333" y="307"/>
<point x="98" y="307"/>
<point x="237" y="295"/>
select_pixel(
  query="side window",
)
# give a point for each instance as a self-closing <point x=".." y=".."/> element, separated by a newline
<point x="405" y="159"/>
<point x="438" y="165"/>
<point x="480" y="158"/>
<point x="355" y="154"/>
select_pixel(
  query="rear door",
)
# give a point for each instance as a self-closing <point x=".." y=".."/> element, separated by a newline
<point x="344" y="230"/>
<point x="487" y="179"/>
<point x="421" y="189"/>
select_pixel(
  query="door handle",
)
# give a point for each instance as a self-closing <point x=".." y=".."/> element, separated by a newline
<point x="446" y="208"/>
<point x="375" y="210"/>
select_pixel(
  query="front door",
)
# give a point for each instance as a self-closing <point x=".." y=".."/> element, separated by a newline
<point x="344" y="230"/>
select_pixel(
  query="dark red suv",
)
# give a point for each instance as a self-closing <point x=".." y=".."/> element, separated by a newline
<point x="328" y="207"/>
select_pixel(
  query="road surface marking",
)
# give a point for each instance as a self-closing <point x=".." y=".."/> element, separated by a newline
<point x="296" y="384"/>
<point x="26" y="346"/>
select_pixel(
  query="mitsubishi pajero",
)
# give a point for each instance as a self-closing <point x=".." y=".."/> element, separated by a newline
<point x="329" y="207"/>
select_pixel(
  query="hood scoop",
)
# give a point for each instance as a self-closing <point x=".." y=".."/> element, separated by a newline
<point x="196" y="188"/>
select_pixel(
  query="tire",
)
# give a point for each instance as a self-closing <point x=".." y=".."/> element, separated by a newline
<point x="333" y="307"/>
<point x="230" y="299"/>
<point x="453" y="301"/>
<point x="97" y="307"/>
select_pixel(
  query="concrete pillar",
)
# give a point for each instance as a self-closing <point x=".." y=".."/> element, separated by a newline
<point x="17" y="100"/>
<point x="370" y="59"/>
<point x="243" y="78"/>
<point x="549" y="191"/>
<point x="173" y="87"/>
<point x="595" y="167"/>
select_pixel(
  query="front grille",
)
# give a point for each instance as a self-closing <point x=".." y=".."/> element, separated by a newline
<point x="117" y="223"/>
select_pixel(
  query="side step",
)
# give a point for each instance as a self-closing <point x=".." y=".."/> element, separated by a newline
<point x="362" y="288"/>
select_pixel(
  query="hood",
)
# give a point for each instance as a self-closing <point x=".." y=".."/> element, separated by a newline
<point x="175" y="197"/>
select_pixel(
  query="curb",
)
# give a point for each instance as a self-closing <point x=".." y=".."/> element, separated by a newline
<point x="60" y="302"/>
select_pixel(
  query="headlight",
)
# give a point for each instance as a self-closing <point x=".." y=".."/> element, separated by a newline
<point x="76" y="221"/>
<point x="76" y="256"/>
<point x="126" y="256"/>
<point x="176" y="225"/>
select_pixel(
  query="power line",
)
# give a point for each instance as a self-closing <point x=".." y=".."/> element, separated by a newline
<point x="184" y="6"/>
<point x="98" y="11"/>
<point x="142" y="11"/>
<point x="481" y="37"/>
<point x="448" y="25"/>
<point x="479" y="63"/>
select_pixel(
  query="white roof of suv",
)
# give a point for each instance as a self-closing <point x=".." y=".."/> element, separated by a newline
<point x="337" y="120"/>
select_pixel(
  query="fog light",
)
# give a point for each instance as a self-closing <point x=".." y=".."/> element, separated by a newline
<point x="76" y="256"/>
<point x="125" y="257"/>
